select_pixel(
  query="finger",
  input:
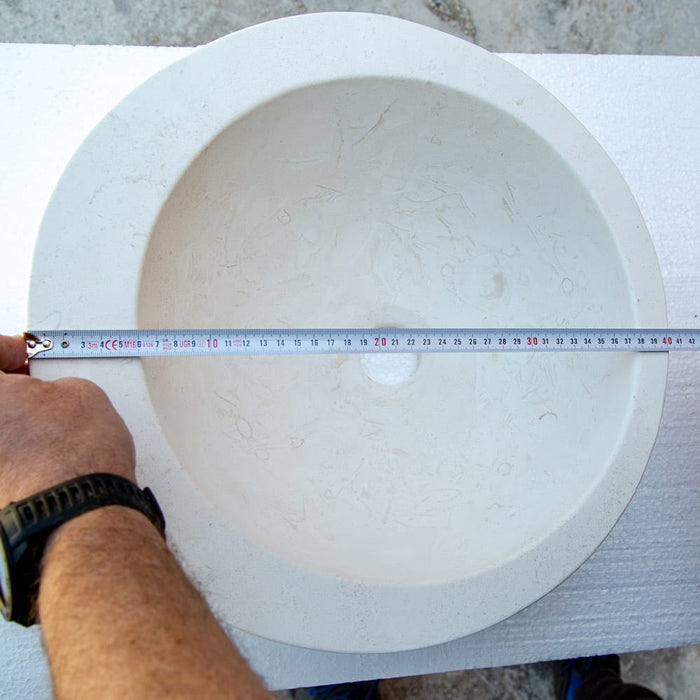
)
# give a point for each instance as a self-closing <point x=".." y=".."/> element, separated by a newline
<point x="13" y="353"/>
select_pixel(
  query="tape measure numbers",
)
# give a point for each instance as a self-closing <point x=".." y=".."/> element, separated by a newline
<point x="182" y="342"/>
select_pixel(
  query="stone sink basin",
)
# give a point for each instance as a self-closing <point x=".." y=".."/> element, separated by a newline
<point x="354" y="170"/>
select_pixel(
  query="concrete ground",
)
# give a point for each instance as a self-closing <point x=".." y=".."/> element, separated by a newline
<point x="572" y="26"/>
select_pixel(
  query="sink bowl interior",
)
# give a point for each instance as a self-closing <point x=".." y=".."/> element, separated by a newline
<point x="372" y="202"/>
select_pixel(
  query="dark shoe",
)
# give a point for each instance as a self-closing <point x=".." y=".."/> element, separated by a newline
<point x="362" y="690"/>
<point x="569" y="674"/>
<point x="596" y="678"/>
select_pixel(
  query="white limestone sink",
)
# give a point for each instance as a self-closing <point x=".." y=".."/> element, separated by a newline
<point x="343" y="170"/>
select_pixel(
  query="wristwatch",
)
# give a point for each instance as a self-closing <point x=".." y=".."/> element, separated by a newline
<point x="26" y="525"/>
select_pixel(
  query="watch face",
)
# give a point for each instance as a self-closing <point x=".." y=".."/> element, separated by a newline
<point x="5" y="589"/>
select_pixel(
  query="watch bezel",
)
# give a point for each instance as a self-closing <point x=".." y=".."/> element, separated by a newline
<point x="5" y="579"/>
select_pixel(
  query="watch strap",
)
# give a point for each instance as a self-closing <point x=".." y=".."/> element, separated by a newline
<point x="25" y="526"/>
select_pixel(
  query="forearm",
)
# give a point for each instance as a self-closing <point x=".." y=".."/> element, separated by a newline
<point x="120" y="619"/>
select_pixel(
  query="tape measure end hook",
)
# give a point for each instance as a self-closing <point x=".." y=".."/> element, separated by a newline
<point x="36" y="345"/>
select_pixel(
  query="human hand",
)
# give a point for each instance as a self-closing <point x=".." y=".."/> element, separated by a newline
<point x="54" y="431"/>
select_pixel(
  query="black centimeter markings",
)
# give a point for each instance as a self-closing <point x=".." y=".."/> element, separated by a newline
<point x="71" y="344"/>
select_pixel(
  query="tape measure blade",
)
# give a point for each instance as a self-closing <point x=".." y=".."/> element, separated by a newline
<point x="76" y="344"/>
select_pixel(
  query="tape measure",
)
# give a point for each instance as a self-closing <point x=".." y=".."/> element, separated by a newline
<point x="59" y="344"/>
